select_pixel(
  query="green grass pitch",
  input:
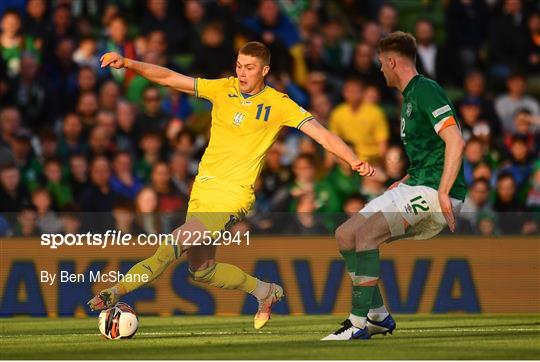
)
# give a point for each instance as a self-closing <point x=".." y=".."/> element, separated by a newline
<point x="285" y="337"/>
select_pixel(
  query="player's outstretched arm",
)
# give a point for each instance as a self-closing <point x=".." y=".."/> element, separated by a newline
<point x="453" y="156"/>
<point x="334" y="144"/>
<point x="152" y="72"/>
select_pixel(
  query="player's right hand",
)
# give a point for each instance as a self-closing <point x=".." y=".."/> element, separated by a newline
<point x="113" y="59"/>
<point x="363" y="168"/>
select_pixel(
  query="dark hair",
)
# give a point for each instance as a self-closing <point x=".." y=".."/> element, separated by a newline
<point x="123" y="203"/>
<point x="481" y="180"/>
<point x="258" y="50"/>
<point x="401" y="43"/>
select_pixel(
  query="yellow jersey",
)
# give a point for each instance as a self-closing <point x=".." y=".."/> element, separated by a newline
<point x="243" y="129"/>
<point x="364" y="128"/>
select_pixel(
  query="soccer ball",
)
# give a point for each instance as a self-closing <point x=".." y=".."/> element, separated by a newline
<point x="119" y="321"/>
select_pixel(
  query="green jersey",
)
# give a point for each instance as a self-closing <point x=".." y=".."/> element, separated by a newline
<point x="426" y="110"/>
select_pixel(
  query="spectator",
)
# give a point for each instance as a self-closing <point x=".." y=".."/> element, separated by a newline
<point x="32" y="95"/>
<point x="107" y="121"/>
<point x="430" y="59"/>
<point x="152" y="119"/>
<point x="272" y="190"/>
<point x="364" y="68"/>
<point x="70" y="219"/>
<point x="78" y="175"/>
<point x="126" y="134"/>
<point x="474" y="87"/>
<point x="27" y="222"/>
<point x="361" y="124"/>
<point x="124" y="218"/>
<point x="100" y="142"/>
<point x="214" y="56"/>
<point x="371" y="34"/>
<point x="508" y="39"/>
<point x="308" y="25"/>
<point x="71" y="141"/>
<point x="507" y="205"/>
<point x="61" y="72"/>
<point x="281" y="36"/>
<point x="150" y="145"/>
<point x="35" y="22"/>
<point x="47" y="220"/>
<point x="13" y="43"/>
<point x="344" y="180"/>
<point x="13" y="194"/>
<point x="305" y="221"/>
<point x="86" y="55"/>
<point x="507" y="104"/>
<point x="59" y="191"/>
<point x="10" y="121"/>
<point x="87" y="107"/>
<point x="466" y="24"/>
<point x="387" y="18"/>
<point x="21" y="152"/>
<point x="123" y="182"/>
<point x="518" y="164"/>
<point x="98" y="197"/>
<point x="395" y="164"/>
<point x="62" y="29"/>
<point x="109" y="95"/>
<point x="477" y="203"/>
<point x="86" y="80"/>
<point x="117" y="42"/>
<point x="169" y="196"/>
<point x="146" y="207"/>
<point x="158" y="18"/>
<point x="304" y="182"/>
<point x="180" y="174"/>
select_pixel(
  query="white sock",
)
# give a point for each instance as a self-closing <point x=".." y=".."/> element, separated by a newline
<point x="262" y="290"/>
<point x="358" y="322"/>
<point x="378" y="314"/>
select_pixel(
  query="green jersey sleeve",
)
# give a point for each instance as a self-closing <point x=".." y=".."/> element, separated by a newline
<point x="435" y="105"/>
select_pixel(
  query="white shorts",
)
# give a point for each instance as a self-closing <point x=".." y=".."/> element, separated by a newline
<point x="418" y="205"/>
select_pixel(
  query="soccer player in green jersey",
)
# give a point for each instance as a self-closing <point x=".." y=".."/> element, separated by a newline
<point x="417" y="207"/>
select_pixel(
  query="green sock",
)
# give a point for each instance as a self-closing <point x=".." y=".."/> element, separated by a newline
<point x="368" y="269"/>
<point x="350" y="261"/>
<point x="376" y="300"/>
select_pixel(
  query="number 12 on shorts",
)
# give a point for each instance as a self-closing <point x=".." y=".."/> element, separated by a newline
<point x="419" y="203"/>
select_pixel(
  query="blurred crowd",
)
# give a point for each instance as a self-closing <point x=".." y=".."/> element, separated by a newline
<point x="76" y="139"/>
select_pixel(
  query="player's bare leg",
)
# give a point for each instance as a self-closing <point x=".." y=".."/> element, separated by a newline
<point x="364" y="267"/>
<point x="151" y="267"/>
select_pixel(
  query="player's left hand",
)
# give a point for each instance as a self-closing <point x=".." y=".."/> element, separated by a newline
<point x="363" y="168"/>
<point x="446" y="208"/>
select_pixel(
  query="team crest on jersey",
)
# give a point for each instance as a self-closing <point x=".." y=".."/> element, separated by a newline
<point x="238" y="118"/>
<point x="408" y="109"/>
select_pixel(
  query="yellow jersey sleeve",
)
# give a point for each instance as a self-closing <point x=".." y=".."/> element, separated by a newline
<point x="292" y="114"/>
<point x="209" y="88"/>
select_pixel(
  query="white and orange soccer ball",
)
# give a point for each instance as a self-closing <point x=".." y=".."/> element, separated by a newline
<point x="119" y="321"/>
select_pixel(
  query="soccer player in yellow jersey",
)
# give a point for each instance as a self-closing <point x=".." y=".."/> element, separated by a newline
<point x="247" y="116"/>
